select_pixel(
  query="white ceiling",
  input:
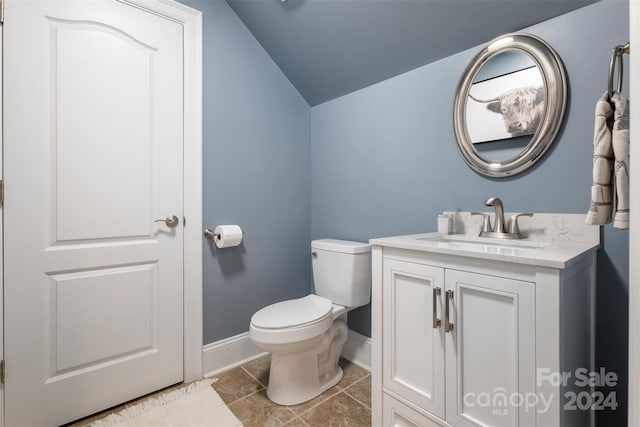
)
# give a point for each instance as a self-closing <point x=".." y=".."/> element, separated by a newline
<point x="328" y="48"/>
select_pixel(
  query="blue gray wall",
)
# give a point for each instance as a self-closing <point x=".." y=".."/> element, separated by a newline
<point x="384" y="163"/>
<point x="256" y="174"/>
<point x="381" y="162"/>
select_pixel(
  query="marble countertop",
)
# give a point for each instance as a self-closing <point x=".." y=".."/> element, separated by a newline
<point x="554" y="254"/>
<point x="550" y="240"/>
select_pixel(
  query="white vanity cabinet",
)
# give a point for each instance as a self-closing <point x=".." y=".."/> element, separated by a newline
<point x="464" y="341"/>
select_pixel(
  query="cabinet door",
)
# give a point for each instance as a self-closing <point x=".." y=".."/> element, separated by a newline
<point x="412" y="339"/>
<point x="490" y="351"/>
<point x="397" y="414"/>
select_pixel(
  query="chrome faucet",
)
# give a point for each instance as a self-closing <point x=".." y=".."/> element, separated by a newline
<point x="498" y="220"/>
<point x="499" y="230"/>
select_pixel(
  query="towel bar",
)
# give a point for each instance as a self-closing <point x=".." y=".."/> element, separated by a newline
<point x="616" y="55"/>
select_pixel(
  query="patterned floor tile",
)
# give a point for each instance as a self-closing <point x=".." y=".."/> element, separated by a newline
<point x="340" y="410"/>
<point x="257" y="410"/>
<point x="351" y="373"/>
<point x="303" y="407"/>
<point x="296" y="422"/>
<point x="259" y="369"/>
<point x="361" y="391"/>
<point x="235" y="384"/>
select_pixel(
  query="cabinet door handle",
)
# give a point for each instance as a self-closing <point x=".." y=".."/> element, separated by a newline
<point x="448" y="326"/>
<point x="436" y="321"/>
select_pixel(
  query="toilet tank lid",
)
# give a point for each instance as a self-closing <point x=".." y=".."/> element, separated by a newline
<point x="344" y="246"/>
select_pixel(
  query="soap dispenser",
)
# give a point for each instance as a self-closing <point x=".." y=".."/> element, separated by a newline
<point x="445" y="224"/>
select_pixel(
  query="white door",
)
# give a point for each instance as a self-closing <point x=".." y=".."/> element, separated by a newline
<point x="412" y="335"/>
<point x="490" y="351"/>
<point x="93" y="114"/>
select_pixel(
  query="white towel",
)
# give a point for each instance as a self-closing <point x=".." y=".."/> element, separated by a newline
<point x="620" y="137"/>
<point x="601" y="192"/>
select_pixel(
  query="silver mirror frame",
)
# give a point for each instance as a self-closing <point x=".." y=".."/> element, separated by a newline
<point x="555" y="82"/>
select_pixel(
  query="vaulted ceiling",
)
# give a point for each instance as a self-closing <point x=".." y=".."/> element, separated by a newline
<point x="328" y="48"/>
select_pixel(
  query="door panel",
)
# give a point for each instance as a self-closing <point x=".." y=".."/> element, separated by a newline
<point x="89" y="325"/>
<point x="93" y="156"/>
<point x="104" y="91"/>
<point x="413" y="348"/>
<point x="491" y="350"/>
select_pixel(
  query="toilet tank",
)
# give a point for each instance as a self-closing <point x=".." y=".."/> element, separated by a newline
<point x="342" y="271"/>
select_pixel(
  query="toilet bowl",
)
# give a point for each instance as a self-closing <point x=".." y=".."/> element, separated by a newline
<point x="305" y="339"/>
<point x="306" y="335"/>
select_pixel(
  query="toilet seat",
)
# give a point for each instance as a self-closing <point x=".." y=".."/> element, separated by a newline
<point x="292" y="313"/>
<point x="292" y="320"/>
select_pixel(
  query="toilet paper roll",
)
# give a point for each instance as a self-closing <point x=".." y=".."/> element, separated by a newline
<point x="228" y="236"/>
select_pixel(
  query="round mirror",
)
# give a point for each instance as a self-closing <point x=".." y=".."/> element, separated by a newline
<point x="509" y="105"/>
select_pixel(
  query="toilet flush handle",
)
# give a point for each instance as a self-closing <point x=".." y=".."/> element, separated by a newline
<point x="314" y="254"/>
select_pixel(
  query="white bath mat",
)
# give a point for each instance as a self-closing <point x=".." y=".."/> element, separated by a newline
<point x="196" y="405"/>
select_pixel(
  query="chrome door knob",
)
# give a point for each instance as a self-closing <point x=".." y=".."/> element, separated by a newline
<point x="171" y="221"/>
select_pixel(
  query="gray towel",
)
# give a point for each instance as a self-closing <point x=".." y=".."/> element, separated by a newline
<point x="610" y="158"/>
<point x="620" y="137"/>
<point x="601" y="191"/>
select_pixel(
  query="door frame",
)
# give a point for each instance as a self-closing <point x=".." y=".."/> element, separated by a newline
<point x="191" y="21"/>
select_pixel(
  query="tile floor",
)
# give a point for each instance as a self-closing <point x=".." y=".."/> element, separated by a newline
<point x="243" y="389"/>
<point x="348" y="403"/>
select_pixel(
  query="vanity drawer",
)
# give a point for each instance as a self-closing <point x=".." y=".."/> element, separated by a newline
<point x="397" y="414"/>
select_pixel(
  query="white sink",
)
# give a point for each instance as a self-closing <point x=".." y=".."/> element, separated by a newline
<point x="484" y="244"/>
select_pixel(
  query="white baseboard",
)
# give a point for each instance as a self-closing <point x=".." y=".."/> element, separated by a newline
<point x="238" y="350"/>
<point x="357" y="349"/>
<point x="228" y="353"/>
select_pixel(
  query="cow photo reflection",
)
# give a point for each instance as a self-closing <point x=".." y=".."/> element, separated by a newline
<point x="509" y="105"/>
<point x="505" y="106"/>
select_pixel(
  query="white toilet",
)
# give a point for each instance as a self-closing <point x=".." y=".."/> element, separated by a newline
<point x="306" y="335"/>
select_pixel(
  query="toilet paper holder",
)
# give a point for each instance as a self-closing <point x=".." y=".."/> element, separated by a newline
<point x="210" y="234"/>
